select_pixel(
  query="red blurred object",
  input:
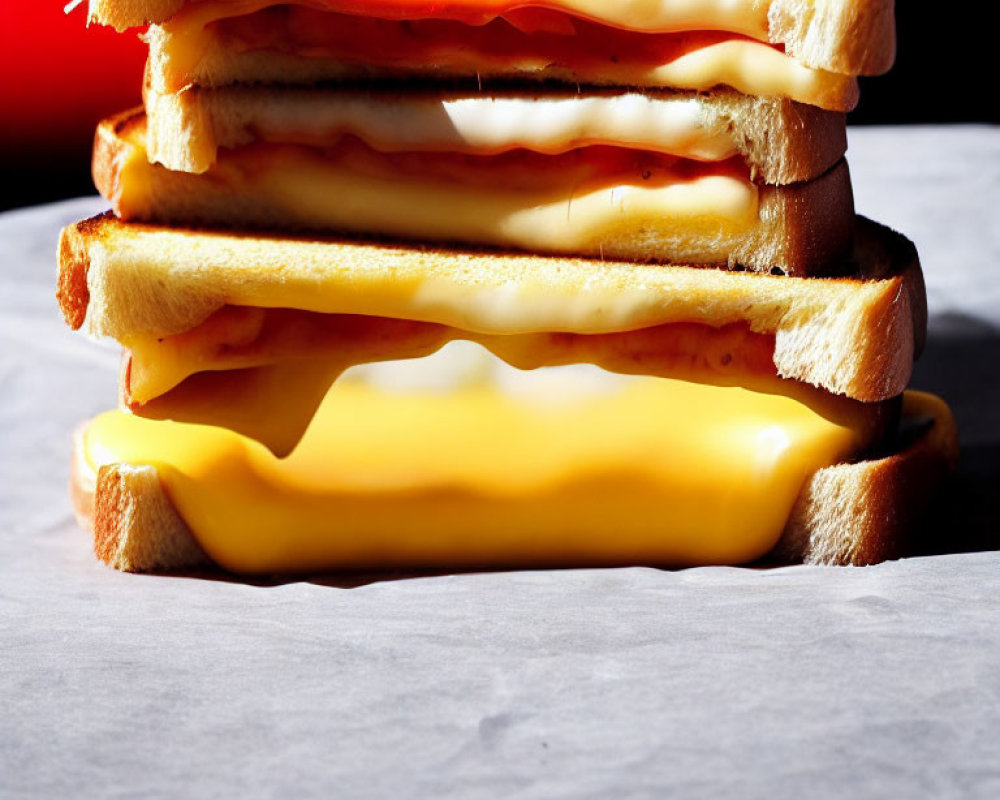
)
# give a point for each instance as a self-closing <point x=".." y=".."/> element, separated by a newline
<point x="58" y="76"/>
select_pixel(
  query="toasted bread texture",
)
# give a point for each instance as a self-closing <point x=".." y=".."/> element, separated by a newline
<point x="857" y="37"/>
<point x="870" y="511"/>
<point x="856" y="335"/>
<point x="782" y="141"/>
<point x="852" y="513"/>
<point x="136" y="528"/>
<point x="799" y="229"/>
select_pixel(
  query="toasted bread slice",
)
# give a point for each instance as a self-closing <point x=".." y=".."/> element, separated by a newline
<point x="781" y="141"/>
<point x="857" y="37"/>
<point x="852" y="513"/>
<point x="856" y="335"/>
<point x="715" y="218"/>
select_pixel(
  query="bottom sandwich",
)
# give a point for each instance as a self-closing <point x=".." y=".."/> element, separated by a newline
<point x="726" y="417"/>
<point x="571" y="469"/>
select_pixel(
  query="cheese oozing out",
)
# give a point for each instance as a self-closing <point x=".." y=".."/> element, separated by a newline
<point x="263" y="358"/>
<point x="591" y="201"/>
<point x="555" y="471"/>
<point x="242" y="337"/>
<point x="686" y="53"/>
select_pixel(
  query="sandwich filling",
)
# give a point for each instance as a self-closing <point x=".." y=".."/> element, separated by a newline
<point x="213" y="44"/>
<point x="240" y="337"/>
<point x="597" y="200"/>
<point x="286" y="358"/>
<point x="613" y="470"/>
<point x="476" y="124"/>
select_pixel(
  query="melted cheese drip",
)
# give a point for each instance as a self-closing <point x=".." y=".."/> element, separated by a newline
<point x="237" y="338"/>
<point x="645" y="471"/>
<point x="283" y="357"/>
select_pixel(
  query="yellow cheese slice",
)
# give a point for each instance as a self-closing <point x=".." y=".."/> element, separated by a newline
<point x="701" y="208"/>
<point x="639" y="470"/>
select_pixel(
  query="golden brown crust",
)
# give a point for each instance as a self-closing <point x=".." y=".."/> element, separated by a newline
<point x="110" y="149"/>
<point x="135" y="526"/>
<point x="108" y="505"/>
<point x="71" y="287"/>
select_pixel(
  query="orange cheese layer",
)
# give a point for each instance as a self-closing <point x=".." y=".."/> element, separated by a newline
<point x="575" y="49"/>
<point x="644" y="470"/>
<point x="591" y="201"/>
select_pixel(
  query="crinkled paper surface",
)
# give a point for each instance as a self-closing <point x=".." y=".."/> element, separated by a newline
<point x="719" y="682"/>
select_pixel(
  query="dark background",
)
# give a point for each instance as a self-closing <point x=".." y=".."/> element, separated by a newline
<point x="944" y="73"/>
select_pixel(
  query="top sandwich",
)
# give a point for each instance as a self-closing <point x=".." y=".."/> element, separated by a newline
<point x="242" y="332"/>
<point x="717" y="138"/>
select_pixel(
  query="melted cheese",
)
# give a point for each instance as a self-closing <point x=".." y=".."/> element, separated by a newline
<point x="188" y="378"/>
<point x="698" y="212"/>
<point x="644" y="471"/>
<point x="238" y="338"/>
<point x="263" y="358"/>
<point x="700" y="58"/>
<point x="271" y="404"/>
<point x="491" y="124"/>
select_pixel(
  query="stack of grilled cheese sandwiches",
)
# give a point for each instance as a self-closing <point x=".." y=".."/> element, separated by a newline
<point x="656" y="189"/>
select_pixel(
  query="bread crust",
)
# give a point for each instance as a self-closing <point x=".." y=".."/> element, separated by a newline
<point x="853" y="38"/>
<point x="846" y="514"/>
<point x="135" y="526"/>
<point x="871" y="511"/>
<point x="801" y="229"/>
